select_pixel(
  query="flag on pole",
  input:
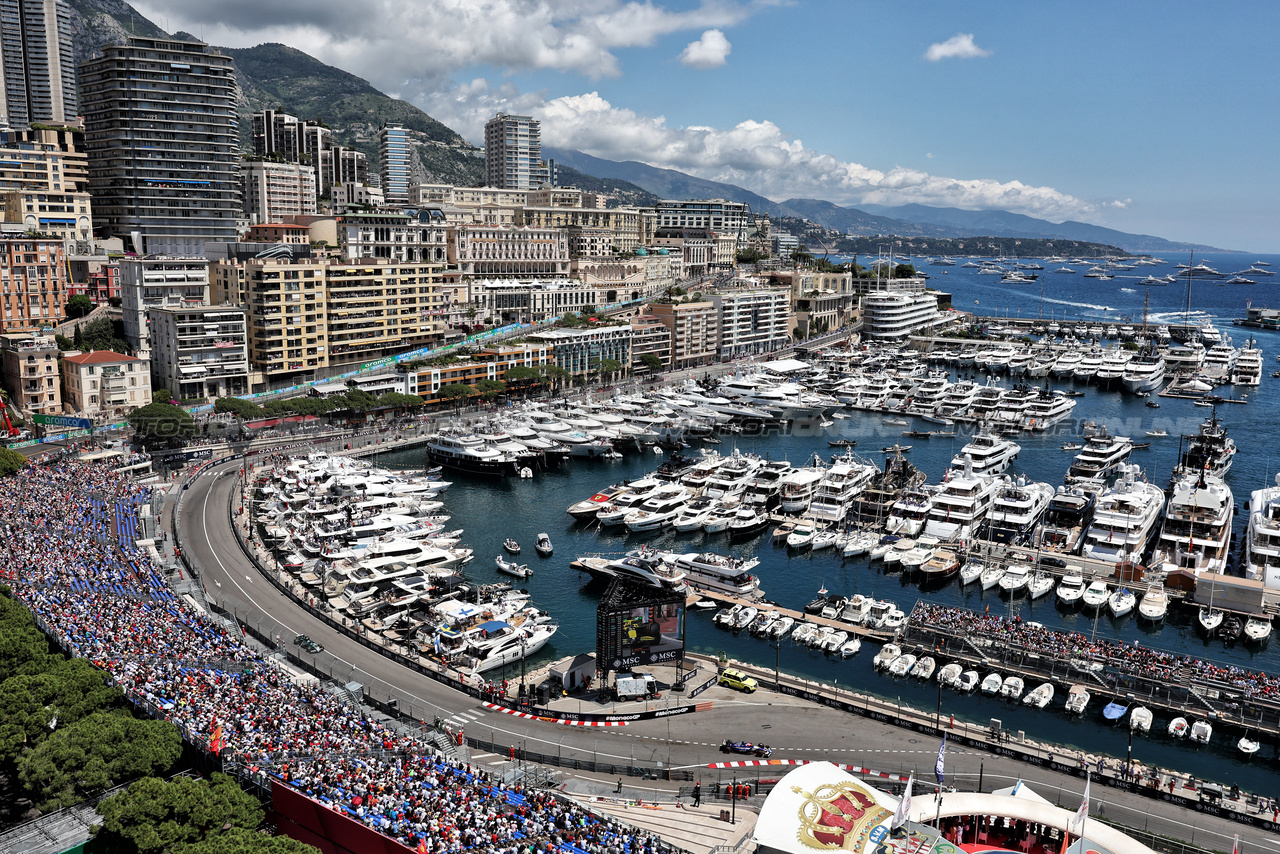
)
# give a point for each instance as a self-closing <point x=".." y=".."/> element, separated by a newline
<point x="941" y="763"/>
<point x="1083" y="812"/>
<point x="904" y="805"/>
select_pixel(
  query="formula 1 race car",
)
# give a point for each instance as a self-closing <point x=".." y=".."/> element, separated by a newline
<point x="746" y="747"/>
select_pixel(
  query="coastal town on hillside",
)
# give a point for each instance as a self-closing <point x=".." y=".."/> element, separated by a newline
<point x="271" y="381"/>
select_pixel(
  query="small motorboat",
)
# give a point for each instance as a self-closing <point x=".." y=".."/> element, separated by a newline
<point x="511" y="546"/>
<point x="1178" y="727"/>
<point x="510" y="567"/>
<point x="1151" y="404"/>
<point x="1154" y="604"/>
<point x="924" y="667"/>
<point x="1072" y="446"/>
<point x="949" y="675"/>
<point x="896" y="422"/>
<point x="1077" y="699"/>
<point x="902" y="665"/>
<point x="1140" y="719"/>
<point x="543" y="546"/>
<point x="1113" y="711"/>
<point x="1039" y="697"/>
<point x="850" y="648"/>
<point x="780" y="627"/>
<point x="1257" y="629"/>
<point x="842" y="443"/>
<point x="896" y="449"/>
<point x="1096" y="594"/>
<point x="726" y="617"/>
<point x="968" y="681"/>
<point x="1012" y="687"/>
<point x="886" y="656"/>
<point x="1201" y="732"/>
<point x="992" y="684"/>
<point x="1158" y="433"/>
<point x="1248" y="746"/>
<point x="1231" y="629"/>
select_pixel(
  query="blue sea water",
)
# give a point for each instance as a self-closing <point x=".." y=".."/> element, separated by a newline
<point x="491" y="511"/>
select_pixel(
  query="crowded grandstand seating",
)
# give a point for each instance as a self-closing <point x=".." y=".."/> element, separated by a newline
<point x="69" y="552"/>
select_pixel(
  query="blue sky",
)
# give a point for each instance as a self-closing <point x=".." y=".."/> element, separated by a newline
<point x="1156" y="118"/>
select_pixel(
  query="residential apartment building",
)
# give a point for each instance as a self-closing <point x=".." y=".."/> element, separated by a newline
<point x="753" y="322"/>
<point x="34" y="285"/>
<point x="693" y="331"/>
<point x="44" y="181"/>
<point x="200" y="351"/>
<point x="94" y="276"/>
<point x="395" y="237"/>
<point x="894" y="309"/>
<point x="102" y="383"/>
<point x="274" y="191"/>
<point x="513" y="153"/>
<point x="381" y="309"/>
<point x="351" y="195"/>
<point x="37" y="67"/>
<point x="396" y="155"/>
<point x="718" y="215"/>
<point x="29" y="364"/>
<point x="529" y="300"/>
<point x="649" y="336"/>
<point x="625" y="226"/>
<point x="158" y="281"/>
<point x="580" y="351"/>
<point x="307" y="314"/>
<point x="162" y="134"/>
<point x="342" y="165"/>
<point x="278" y="135"/>
<point x="487" y="252"/>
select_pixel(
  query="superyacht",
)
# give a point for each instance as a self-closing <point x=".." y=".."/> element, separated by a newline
<point x="1125" y="519"/>
<point x="1197" y="526"/>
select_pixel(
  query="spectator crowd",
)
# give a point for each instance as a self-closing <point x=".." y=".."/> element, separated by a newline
<point x="69" y="553"/>
<point x="1167" y="667"/>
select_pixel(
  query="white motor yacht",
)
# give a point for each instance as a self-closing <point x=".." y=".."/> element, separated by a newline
<point x="1016" y="509"/>
<point x="960" y="504"/>
<point x="838" y="489"/>
<point x="717" y="572"/>
<point x="1196" y="532"/>
<point x="1125" y="519"/>
<point x="1101" y="456"/>
<point x="989" y="454"/>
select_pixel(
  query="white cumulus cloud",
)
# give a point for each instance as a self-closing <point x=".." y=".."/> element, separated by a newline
<point x="710" y="51"/>
<point x="959" y="46"/>
<point x="395" y="44"/>
<point x="755" y="154"/>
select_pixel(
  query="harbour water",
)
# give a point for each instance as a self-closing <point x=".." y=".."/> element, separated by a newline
<point x="491" y="510"/>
